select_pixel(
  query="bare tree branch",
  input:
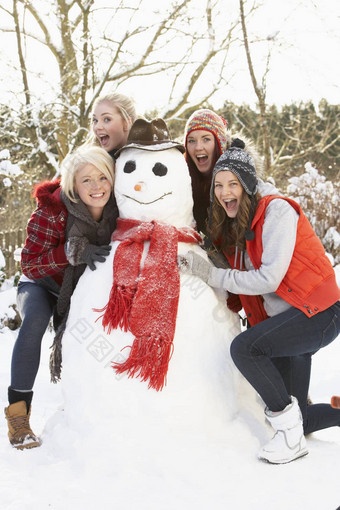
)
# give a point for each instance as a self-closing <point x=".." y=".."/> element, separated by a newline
<point x="85" y="66"/>
<point x="48" y="41"/>
<point x="20" y="54"/>
<point x="259" y="91"/>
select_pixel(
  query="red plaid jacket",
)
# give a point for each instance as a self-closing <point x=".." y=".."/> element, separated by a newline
<point x="43" y="254"/>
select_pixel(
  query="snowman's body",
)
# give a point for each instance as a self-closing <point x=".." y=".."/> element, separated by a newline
<point x="199" y="395"/>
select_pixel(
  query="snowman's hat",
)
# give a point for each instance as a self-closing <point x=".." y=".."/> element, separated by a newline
<point x="150" y="136"/>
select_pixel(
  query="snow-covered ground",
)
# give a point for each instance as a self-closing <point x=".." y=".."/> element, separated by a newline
<point x="197" y="472"/>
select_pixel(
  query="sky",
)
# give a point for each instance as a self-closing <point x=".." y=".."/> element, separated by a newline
<point x="303" y="67"/>
<point x="303" y="63"/>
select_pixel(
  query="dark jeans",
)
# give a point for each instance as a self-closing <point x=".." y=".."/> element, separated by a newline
<point x="275" y="357"/>
<point x="36" y="305"/>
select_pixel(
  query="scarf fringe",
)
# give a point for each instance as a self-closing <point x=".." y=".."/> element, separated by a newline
<point x="56" y="348"/>
<point x="144" y="298"/>
<point x="117" y="310"/>
<point x="56" y="359"/>
<point x="148" y="359"/>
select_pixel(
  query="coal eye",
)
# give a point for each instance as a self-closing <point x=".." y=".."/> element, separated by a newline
<point x="129" y="167"/>
<point x="160" y="169"/>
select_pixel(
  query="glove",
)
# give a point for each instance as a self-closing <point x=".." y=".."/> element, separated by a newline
<point x="198" y="266"/>
<point x="79" y="251"/>
<point x="194" y="264"/>
<point x="234" y="303"/>
<point x="93" y="253"/>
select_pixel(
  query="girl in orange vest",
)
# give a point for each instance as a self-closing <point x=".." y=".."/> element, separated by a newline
<point x="287" y="287"/>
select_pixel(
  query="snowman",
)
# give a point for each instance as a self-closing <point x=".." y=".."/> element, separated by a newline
<point x="145" y="344"/>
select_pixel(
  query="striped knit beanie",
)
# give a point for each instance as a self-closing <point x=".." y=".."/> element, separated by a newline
<point x="209" y="121"/>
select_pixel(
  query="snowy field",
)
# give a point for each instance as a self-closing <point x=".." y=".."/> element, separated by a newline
<point x="193" y="473"/>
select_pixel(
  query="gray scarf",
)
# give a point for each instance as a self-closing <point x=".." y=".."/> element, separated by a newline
<point x="79" y="224"/>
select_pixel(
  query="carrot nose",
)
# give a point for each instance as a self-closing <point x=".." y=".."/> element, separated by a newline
<point x="138" y="187"/>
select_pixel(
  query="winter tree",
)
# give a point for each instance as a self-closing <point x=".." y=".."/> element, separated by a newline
<point x="320" y="199"/>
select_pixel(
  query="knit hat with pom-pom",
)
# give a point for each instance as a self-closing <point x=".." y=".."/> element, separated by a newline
<point x="242" y="164"/>
<point x="209" y="121"/>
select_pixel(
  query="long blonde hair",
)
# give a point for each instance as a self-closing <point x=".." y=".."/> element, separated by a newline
<point x="125" y="107"/>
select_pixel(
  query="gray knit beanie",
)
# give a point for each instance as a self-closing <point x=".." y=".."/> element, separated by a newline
<point x="242" y="164"/>
<point x="239" y="162"/>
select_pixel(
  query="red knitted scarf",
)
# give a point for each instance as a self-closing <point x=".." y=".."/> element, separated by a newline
<point x="145" y="301"/>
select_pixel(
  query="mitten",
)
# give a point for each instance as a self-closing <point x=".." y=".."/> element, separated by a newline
<point x="93" y="253"/>
<point x="80" y="251"/>
<point x="234" y="303"/>
<point x="198" y="266"/>
<point x="194" y="264"/>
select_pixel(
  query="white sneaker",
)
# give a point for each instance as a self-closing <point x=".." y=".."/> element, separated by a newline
<point x="289" y="442"/>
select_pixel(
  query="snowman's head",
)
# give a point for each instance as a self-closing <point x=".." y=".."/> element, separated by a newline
<point x="153" y="183"/>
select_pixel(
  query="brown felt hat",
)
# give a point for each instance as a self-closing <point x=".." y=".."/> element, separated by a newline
<point x="151" y="136"/>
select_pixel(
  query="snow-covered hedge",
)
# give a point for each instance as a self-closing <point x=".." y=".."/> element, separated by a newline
<point x="9" y="316"/>
<point x="320" y="200"/>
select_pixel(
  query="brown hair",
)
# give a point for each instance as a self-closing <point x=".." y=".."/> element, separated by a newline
<point x="230" y="232"/>
<point x="201" y="188"/>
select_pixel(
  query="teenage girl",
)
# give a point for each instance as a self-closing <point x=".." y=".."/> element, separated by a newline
<point x="44" y="258"/>
<point x="288" y="289"/>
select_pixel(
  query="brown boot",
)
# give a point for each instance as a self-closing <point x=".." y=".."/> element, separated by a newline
<point x="335" y="402"/>
<point x="19" y="430"/>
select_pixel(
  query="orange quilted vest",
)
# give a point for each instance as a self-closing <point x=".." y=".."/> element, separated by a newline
<point x="309" y="283"/>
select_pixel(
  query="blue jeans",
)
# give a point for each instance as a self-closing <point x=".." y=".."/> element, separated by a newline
<point x="275" y="357"/>
<point x="36" y="306"/>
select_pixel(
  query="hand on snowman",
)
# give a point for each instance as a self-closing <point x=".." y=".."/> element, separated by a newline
<point x="194" y="264"/>
<point x="79" y="251"/>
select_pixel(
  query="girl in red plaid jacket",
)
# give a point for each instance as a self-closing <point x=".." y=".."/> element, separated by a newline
<point x="65" y="233"/>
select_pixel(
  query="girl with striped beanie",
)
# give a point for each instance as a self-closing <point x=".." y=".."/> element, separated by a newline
<point x="206" y="138"/>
